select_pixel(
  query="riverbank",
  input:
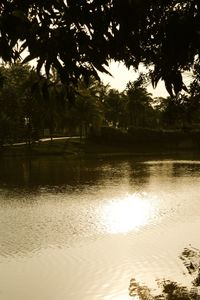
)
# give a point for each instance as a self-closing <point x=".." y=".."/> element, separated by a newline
<point x="105" y="147"/>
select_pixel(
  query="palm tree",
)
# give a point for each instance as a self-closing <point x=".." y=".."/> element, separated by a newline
<point x="115" y="109"/>
<point x="86" y="111"/>
<point x="138" y="103"/>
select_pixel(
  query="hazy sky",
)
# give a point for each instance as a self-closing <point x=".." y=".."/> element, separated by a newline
<point x="121" y="76"/>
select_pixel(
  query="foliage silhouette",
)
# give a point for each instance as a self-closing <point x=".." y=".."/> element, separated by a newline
<point x="43" y="102"/>
<point x="138" y="102"/>
<point x="172" y="290"/>
<point x="80" y="37"/>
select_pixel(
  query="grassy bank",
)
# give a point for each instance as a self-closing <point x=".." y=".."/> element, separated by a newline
<point x="48" y="147"/>
<point x="110" y="143"/>
<point x="75" y="148"/>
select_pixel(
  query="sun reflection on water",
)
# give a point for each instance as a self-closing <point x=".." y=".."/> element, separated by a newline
<point x="127" y="213"/>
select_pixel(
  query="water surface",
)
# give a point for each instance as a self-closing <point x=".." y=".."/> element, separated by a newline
<point x="82" y="229"/>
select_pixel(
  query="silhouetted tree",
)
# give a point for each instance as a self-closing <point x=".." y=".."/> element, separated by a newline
<point x="138" y="103"/>
<point x="13" y="96"/>
<point x="86" y="111"/>
<point x="80" y="37"/>
<point x="115" y="109"/>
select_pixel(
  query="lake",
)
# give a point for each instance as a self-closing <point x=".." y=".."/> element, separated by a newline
<point x="81" y="229"/>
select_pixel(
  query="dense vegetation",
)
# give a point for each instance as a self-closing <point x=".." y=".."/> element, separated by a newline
<point x="80" y="37"/>
<point x="71" y="41"/>
<point x="33" y="106"/>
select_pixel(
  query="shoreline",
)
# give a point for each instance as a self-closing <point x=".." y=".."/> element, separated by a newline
<point x="87" y="150"/>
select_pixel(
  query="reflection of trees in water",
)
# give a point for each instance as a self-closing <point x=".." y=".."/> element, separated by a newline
<point x="139" y="174"/>
<point x="48" y="171"/>
<point x="185" y="169"/>
<point x="63" y="172"/>
<point x="171" y="290"/>
<point x="15" y="171"/>
<point x="60" y="171"/>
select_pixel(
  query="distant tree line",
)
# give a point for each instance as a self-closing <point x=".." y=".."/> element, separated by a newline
<point x="33" y="106"/>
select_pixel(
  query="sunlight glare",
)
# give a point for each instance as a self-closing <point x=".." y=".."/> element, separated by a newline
<point x="128" y="213"/>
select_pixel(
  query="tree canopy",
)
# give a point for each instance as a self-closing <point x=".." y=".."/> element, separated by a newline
<point x="80" y="37"/>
